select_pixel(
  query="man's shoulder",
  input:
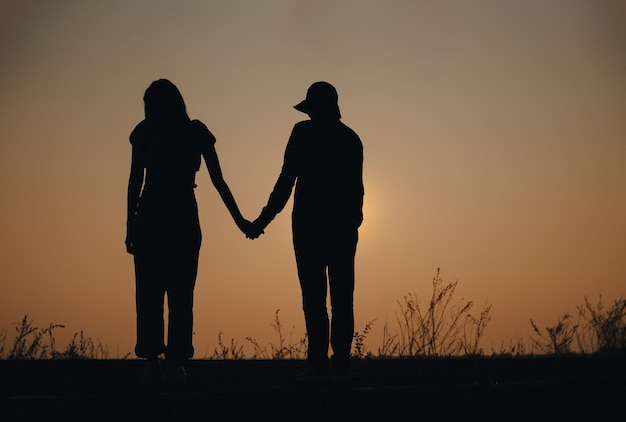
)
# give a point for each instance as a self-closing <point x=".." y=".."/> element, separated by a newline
<point x="301" y="129"/>
<point x="302" y="125"/>
<point x="351" y="136"/>
<point x="306" y="124"/>
<point x="348" y="129"/>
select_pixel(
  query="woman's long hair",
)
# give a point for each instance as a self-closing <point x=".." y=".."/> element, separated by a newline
<point x="164" y="103"/>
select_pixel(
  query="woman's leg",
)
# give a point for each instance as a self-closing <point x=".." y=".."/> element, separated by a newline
<point x="180" y="294"/>
<point x="149" y="296"/>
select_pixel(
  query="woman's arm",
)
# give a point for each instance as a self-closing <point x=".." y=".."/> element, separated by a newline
<point x="135" y="182"/>
<point x="215" y="171"/>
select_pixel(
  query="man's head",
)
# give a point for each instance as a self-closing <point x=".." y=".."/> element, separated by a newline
<point x="321" y="101"/>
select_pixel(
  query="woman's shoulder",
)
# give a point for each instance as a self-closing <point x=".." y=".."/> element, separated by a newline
<point x="201" y="131"/>
<point x="140" y="132"/>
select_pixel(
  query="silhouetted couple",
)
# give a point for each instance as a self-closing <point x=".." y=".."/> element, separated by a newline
<point x="323" y="158"/>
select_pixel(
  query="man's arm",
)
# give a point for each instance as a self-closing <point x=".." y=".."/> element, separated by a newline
<point x="277" y="200"/>
<point x="283" y="187"/>
<point x="359" y="188"/>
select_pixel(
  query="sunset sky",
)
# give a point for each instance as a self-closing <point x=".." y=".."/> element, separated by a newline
<point x="494" y="138"/>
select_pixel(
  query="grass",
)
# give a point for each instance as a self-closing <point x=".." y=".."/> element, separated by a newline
<point x="32" y="342"/>
<point x="604" y="330"/>
<point x="443" y="327"/>
<point x="597" y="330"/>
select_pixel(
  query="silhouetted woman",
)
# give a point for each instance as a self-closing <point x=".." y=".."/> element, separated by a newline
<point x="163" y="230"/>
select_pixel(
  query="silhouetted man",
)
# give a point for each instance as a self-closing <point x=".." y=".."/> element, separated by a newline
<point x="324" y="158"/>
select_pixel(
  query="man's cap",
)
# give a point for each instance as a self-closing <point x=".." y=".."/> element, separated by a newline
<point x="321" y="98"/>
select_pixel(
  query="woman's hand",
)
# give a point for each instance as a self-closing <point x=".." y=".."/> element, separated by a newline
<point x="255" y="230"/>
<point x="130" y="247"/>
<point x="249" y="229"/>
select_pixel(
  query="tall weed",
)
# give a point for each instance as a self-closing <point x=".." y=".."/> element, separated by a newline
<point x="32" y="342"/>
<point x="286" y="349"/>
<point x="604" y="329"/>
<point x="360" y="349"/>
<point x="444" y="328"/>
<point x="232" y="351"/>
<point x="557" y="339"/>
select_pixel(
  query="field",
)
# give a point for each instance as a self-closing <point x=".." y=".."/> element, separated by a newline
<point x="431" y="369"/>
<point x="468" y="389"/>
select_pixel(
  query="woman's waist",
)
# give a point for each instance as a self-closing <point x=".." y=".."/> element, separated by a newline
<point x="168" y="199"/>
<point x="168" y="190"/>
<point x="170" y="182"/>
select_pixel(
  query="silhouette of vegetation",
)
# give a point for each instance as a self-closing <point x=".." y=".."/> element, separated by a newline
<point x="444" y="327"/>
<point x="389" y="345"/>
<point x="285" y="349"/>
<point x="516" y="347"/>
<point x="32" y="342"/>
<point x="557" y="339"/>
<point x="360" y="349"/>
<point x="599" y="330"/>
<point x="232" y="351"/>
<point x="605" y="329"/>
<point x="82" y="347"/>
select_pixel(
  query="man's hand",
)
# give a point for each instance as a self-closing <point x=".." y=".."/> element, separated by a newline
<point x="255" y="230"/>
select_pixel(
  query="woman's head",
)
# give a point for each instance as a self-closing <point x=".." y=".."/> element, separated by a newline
<point x="163" y="101"/>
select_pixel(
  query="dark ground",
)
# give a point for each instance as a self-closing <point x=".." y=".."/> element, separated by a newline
<point x="458" y="389"/>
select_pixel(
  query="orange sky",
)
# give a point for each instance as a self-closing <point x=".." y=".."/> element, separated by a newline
<point x="494" y="137"/>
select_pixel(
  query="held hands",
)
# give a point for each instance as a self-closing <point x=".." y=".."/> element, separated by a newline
<point x="256" y="230"/>
<point x="252" y="230"/>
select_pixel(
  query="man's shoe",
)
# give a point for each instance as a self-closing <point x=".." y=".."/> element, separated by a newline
<point x="312" y="375"/>
<point x="339" y="374"/>
<point x="175" y="374"/>
<point x="341" y="378"/>
<point x="152" y="375"/>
